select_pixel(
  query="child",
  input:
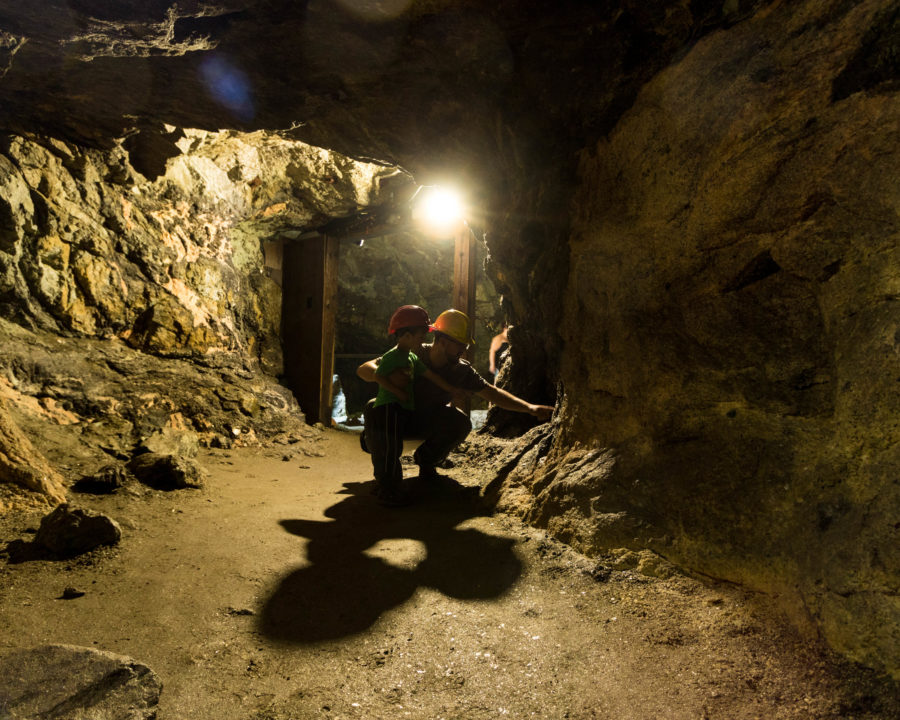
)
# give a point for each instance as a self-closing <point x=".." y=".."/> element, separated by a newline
<point x="396" y="375"/>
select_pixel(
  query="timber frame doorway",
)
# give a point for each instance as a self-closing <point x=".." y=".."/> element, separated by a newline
<point x="309" y="279"/>
<point x="308" y="309"/>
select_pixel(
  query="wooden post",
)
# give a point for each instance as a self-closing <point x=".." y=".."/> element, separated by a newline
<point x="329" y="320"/>
<point x="308" y="323"/>
<point x="464" y="257"/>
<point x="464" y="274"/>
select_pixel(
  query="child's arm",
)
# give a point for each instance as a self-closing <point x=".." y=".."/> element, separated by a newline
<point x="392" y="383"/>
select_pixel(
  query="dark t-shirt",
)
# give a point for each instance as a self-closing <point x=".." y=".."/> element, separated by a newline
<point x="460" y="374"/>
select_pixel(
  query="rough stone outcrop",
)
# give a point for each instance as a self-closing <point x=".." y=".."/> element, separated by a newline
<point x="173" y="266"/>
<point x="66" y="681"/>
<point x="89" y="399"/>
<point x="128" y="270"/>
<point x="22" y="464"/>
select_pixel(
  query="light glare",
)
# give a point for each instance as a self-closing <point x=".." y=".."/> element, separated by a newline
<point x="441" y="209"/>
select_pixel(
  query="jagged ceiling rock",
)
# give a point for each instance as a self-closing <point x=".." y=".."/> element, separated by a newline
<point x="271" y="186"/>
<point x="434" y="85"/>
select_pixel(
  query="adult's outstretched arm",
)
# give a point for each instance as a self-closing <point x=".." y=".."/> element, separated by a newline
<point x="508" y="401"/>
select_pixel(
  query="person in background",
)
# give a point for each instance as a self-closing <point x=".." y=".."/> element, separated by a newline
<point x="395" y="401"/>
<point x="434" y="420"/>
<point x="499" y="343"/>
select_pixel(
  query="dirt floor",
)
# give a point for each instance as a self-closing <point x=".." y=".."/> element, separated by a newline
<point x="283" y="590"/>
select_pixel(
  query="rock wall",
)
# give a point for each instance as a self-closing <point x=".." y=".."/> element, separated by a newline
<point x="132" y="307"/>
<point x="731" y="324"/>
<point x="172" y="265"/>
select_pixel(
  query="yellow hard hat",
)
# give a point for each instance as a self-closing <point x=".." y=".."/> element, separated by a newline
<point x="454" y="324"/>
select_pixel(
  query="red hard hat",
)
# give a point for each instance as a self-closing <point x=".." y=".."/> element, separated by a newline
<point x="408" y="316"/>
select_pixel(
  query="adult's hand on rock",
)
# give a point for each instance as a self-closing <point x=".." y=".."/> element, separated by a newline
<point x="541" y="412"/>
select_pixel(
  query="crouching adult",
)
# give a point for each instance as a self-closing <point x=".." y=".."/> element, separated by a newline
<point x="434" y="420"/>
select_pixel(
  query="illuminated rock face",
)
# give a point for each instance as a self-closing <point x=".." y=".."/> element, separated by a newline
<point x="156" y="291"/>
<point x="731" y="325"/>
<point x="691" y="213"/>
<point x="173" y="266"/>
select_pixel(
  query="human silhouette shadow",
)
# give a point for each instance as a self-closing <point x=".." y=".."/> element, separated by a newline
<point x="344" y="591"/>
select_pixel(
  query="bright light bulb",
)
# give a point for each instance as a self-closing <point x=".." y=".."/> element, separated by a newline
<point x="441" y="209"/>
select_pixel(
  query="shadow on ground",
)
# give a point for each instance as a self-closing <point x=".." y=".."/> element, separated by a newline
<point x="348" y="586"/>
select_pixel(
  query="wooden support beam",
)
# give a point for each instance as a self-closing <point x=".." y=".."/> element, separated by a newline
<point x="464" y="257"/>
<point x="464" y="273"/>
<point x="329" y="321"/>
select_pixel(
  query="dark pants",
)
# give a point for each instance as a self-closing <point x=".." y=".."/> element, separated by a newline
<point x="385" y="428"/>
<point x="442" y="428"/>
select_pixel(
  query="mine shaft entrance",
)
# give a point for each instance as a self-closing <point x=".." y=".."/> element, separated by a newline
<point x="307" y="270"/>
<point x="309" y="293"/>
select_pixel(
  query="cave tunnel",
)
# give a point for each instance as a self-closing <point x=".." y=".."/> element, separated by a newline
<point x="342" y="282"/>
<point x="687" y="212"/>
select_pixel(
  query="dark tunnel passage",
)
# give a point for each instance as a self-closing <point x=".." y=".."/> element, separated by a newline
<point x="685" y="215"/>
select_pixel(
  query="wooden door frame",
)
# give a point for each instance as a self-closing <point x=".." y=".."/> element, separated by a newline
<point x="309" y="308"/>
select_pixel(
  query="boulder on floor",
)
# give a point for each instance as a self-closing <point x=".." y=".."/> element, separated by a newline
<point x="66" y="532"/>
<point x="171" y="441"/>
<point x="66" y="681"/>
<point x="106" y="480"/>
<point x="165" y="472"/>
